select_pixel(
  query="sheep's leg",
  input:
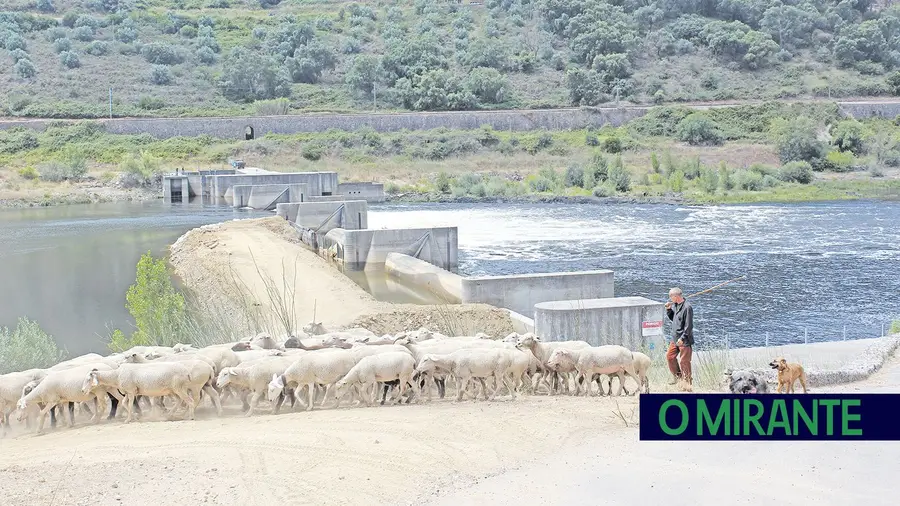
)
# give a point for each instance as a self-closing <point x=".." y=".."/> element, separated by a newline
<point x="621" y="377"/>
<point x="312" y="395"/>
<point x="43" y="417"/>
<point x="459" y="388"/>
<point x="510" y="387"/>
<point x="217" y="402"/>
<point x="113" y="405"/>
<point x="442" y="387"/>
<point x="96" y="417"/>
<point x="254" y="401"/>
<point x="279" y="401"/>
<point x="384" y="393"/>
<point x="244" y="404"/>
<point x="129" y="403"/>
<point x="484" y="390"/>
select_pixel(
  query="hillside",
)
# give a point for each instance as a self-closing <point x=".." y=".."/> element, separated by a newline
<point x="60" y="58"/>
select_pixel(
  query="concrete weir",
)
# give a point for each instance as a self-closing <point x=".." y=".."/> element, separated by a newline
<point x="359" y="249"/>
<point x="628" y="321"/>
<point x="266" y="196"/>
<point x="445" y="285"/>
<point x="522" y="291"/>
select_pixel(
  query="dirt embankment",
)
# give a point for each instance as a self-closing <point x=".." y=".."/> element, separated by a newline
<point x="250" y="269"/>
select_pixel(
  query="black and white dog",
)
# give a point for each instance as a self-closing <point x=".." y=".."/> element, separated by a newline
<point x="746" y="382"/>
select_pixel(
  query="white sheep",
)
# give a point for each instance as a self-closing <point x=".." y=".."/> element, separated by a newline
<point x="11" y="386"/>
<point x="542" y="351"/>
<point x="255" y="377"/>
<point x="203" y="374"/>
<point x="469" y="363"/>
<point x="606" y="359"/>
<point x="370" y="370"/>
<point x="642" y="364"/>
<point x="150" y="379"/>
<point x="264" y="341"/>
<point x="60" y="387"/>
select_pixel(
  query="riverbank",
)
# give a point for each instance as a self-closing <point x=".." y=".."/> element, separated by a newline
<point x="256" y="274"/>
<point x="92" y="190"/>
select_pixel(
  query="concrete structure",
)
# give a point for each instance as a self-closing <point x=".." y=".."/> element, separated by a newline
<point x="360" y="249"/>
<point x="521" y="292"/>
<point x="318" y="183"/>
<point x="176" y="189"/>
<point x="370" y="192"/>
<point x="324" y="216"/>
<point x="628" y="321"/>
<point x="267" y="196"/>
<point x="444" y="285"/>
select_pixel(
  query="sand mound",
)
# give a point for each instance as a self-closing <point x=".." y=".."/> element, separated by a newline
<point x="248" y="270"/>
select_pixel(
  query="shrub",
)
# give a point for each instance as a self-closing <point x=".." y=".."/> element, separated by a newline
<point x="618" y="176"/>
<point x="726" y="181"/>
<point x="709" y="180"/>
<point x="313" y="151"/>
<point x="676" y="180"/>
<point x="28" y="173"/>
<point x="188" y="31"/>
<point x="442" y="182"/>
<point x="749" y="180"/>
<point x="61" y="45"/>
<point x="698" y="129"/>
<point x="540" y="184"/>
<point x="849" y="136"/>
<point x="27" y="347"/>
<point x="127" y="32"/>
<point x="25" y="69"/>
<point x="70" y="59"/>
<point x="140" y="169"/>
<point x="161" y="54"/>
<point x="839" y="161"/>
<point x="612" y="144"/>
<point x="654" y="163"/>
<point x="45" y="6"/>
<point x="893" y="82"/>
<point x="83" y="33"/>
<point x="603" y="190"/>
<point x="18" y="139"/>
<point x="14" y="41"/>
<point x="796" y="172"/>
<point x="97" y="48"/>
<point x="151" y="103"/>
<point x="158" y="310"/>
<point x="18" y="54"/>
<point x="574" y="176"/>
<point x="161" y="75"/>
<point x="797" y="139"/>
<point x="274" y="107"/>
<point x="206" y="55"/>
<point x="596" y="171"/>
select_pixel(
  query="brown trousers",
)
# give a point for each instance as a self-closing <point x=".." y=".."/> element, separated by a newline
<point x="680" y="368"/>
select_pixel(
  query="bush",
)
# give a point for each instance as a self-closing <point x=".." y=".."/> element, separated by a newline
<point x="313" y="152"/>
<point x="206" y="55"/>
<point x="839" y="161"/>
<point x="796" y="172"/>
<point x="676" y="181"/>
<point x="18" y="54"/>
<point x="28" y="173"/>
<point x="618" y="176"/>
<point x="158" y="310"/>
<point x="596" y="171"/>
<point x="603" y="190"/>
<point x="161" y="75"/>
<point x="27" y="347"/>
<point x="797" y="140"/>
<point x="188" y="31"/>
<point x="574" y="176"/>
<point x="70" y="59"/>
<point x="83" y="33"/>
<point x="893" y="82"/>
<point x="61" y="45"/>
<point x="442" y="182"/>
<point x="140" y="169"/>
<point x="14" y="41"/>
<point x="749" y="180"/>
<point x="151" y="103"/>
<point x="97" y="48"/>
<point x="698" y="129"/>
<point x="540" y="184"/>
<point x="18" y="139"/>
<point x="849" y="136"/>
<point x="709" y="180"/>
<point x="612" y="144"/>
<point x="161" y="54"/>
<point x="45" y="6"/>
<point x="726" y="181"/>
<point x="25" y="69"/>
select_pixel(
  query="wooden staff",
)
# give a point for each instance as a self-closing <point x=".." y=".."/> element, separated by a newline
<point x="717" y="286"/>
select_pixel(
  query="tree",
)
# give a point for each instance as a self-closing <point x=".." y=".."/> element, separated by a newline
<point x="249" y="76"/>
<point x="25" y="69"/>
<point x="158" y="310"/>
<point x="309" y="61"/>
<point x="364" y="73"/>
<point x="698" y="129"/>
<point x="488" y="85"/>
<point x="893" y="82"/>
<point x="797" y="139"/>
<point x="849" y="136"/>
<point x="27" y="347"/>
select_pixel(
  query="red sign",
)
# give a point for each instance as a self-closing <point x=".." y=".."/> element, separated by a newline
<point x="651" y="325"/>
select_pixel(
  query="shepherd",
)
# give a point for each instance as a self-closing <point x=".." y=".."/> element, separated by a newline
<point x="679" y="352"/>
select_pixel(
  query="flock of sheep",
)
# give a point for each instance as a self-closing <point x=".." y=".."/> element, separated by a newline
<point x="312" y="371"/>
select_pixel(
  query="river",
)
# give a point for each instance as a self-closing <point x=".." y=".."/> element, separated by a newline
<point x="810" y="267"/>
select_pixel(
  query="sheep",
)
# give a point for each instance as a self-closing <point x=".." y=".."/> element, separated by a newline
<point x="180" y="348"/>
<point x="324" y="367"/>
<point x="320" y="343"/>
<point x="248" y="355"/>
<point x="203" y="374"/>
<point x="314" y="329"/>
<point x="382" y="367"/>
<point x="642" y="364"/>
<point x="264" y="341"/>
<point x="607" y="359"/>
<point x="255" y="377"/>
<point x="150" y="379"/>
<point x="11" y="386"/>
<point x="63" y="386"/>
<point x="542" y="351"/>
<point x="466" y="364"/>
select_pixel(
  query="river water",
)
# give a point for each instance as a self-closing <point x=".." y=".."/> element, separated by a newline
<point x="810" y="267"/>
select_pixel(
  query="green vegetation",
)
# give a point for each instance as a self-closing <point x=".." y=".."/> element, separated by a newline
<point x="27" y="347"/>
<point x="217" y="57"/>
<point x="749" y="153"/>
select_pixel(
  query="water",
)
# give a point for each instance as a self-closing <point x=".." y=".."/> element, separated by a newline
<point x="69" y="267"/>
<point x="809" y="267"/>
<point x="812" y="266"/>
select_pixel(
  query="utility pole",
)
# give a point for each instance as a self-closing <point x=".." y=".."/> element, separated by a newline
<point x="110" y="103"/>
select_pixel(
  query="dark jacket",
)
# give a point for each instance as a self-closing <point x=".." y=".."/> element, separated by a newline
<point x="682" y="317"/>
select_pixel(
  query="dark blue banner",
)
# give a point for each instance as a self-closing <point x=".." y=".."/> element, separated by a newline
<point x="772" y="417"/>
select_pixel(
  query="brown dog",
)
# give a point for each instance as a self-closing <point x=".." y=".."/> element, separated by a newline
<point x="788" y="374"/>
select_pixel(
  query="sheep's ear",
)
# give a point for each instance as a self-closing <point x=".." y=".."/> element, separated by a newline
<point x="274" y="377"/>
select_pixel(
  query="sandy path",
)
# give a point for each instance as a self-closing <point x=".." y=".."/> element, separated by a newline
<point x="378" y="455"/>
<point x="615" y="467"/>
